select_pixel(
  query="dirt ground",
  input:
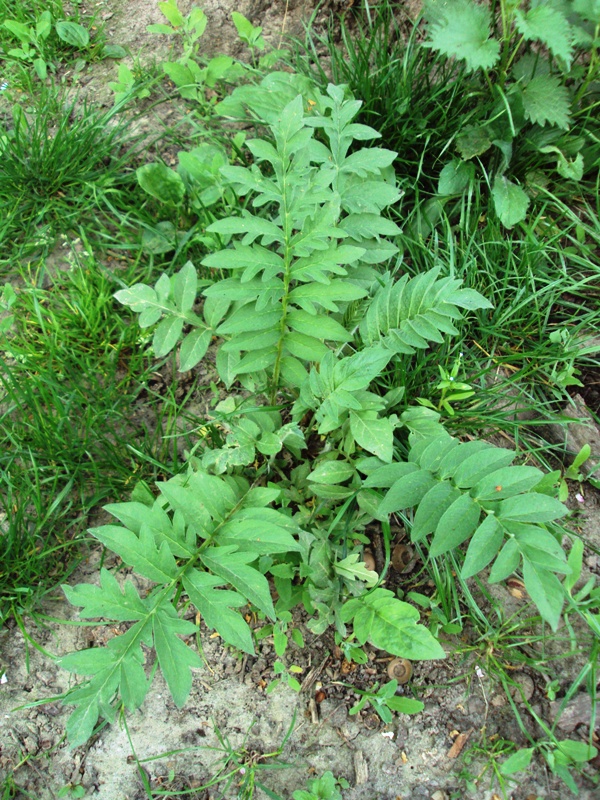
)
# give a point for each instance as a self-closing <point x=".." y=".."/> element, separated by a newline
<point x="413" y="758"/>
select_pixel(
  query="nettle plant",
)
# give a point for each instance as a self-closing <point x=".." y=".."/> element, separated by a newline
<point x="531" y="84"/>
<point x="280" y="490"/>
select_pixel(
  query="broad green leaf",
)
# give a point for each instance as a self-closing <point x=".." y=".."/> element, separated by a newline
<point x="507" y="482"/>
<point x="483" y="547"/>
<point x="351" y="568"/>
<point x="575" y="562"/>
<point x="234" y="567"/>
<point x="172" y="13"/>
<point x="133" y="684"/>
<point x="368" y="160"/>
<point x="547" y="25"/>
<point x="174" y="657"/>
<point x="161" y="182"/>
<point x="391" y="625"/>
<point x="462" y="30"/>
<point x="456" y="455"/>
<point x="545" y="590"/>
<point x="256" y="535"/>
<point x="517" y="762"/>
<point x="545" y="99"/>
<point x="455" y="177"/>
<point x="457" y="523"/>
<point x="250" y="225"/>
<point x="477" y="466"/>
<point x="80" y="725"/>
<point x="532" y="507"/>
<point x="185" y="286"/>
<point x="324" y="327"/>
<point x="304" y="347"/>
<point x="473" y="141"/>
<point x="510" y="201"/>
<point x="429" y="451"/>
<point x="137" y="297"/>
<point x="331" y="472"/>
<point x="577" y="751"/>
<point x="247" y="319"/>
<point x="193" y="348"/>
<point x="255" y="258"/>
<point x="107" y="600"/>
<point x="215" y="605"/>
<point x="374" y="435"/>
<point x="166" y="335"/>
<point x="256" y="360"/>
<point x="357" y="371"/>
<point x="155" y="563"/>
<point x="405" y="705"/>
<point x="431" y="509"/>
<point x="292" y="372"/>
<point x="88" y="662"/>
<point x="407" y="492"/>
<point x="506" y="563"/>
<point x="182" y="77"/>
<point x="386" y="476"/>
<point x="73" y="33"/>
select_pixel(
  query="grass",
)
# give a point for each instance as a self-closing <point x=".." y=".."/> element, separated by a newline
<point x="60" y="162"/>
<point x="72" y="371"/>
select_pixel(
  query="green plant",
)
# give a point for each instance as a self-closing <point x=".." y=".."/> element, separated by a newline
<point x="303" y="274"/>
<point x="45" y="36"/>
<point x="58" y="162"/>
<point x="327" y="787"/>
<point x="524" y="89"/>
<point x="451" y="390"/>
<point x="384" y="701"/>
<point x="190" y="72"/>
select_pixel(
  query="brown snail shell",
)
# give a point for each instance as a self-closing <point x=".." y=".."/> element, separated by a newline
<point x="400" y="669"/>
<point x="401" y="557"/>
<point x="369" y="560"/>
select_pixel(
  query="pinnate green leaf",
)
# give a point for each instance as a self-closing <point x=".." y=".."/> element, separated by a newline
<point x="391" y="625"/>
<point x="216" y="606"/>
<point x="107" y="600"/>
<point x="234" y="567"/>
<point x="174" y="657"/>
<point x="154" y="562"/>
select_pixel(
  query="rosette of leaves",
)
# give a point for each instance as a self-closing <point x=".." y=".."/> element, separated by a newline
<point x="525" y="57"/>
